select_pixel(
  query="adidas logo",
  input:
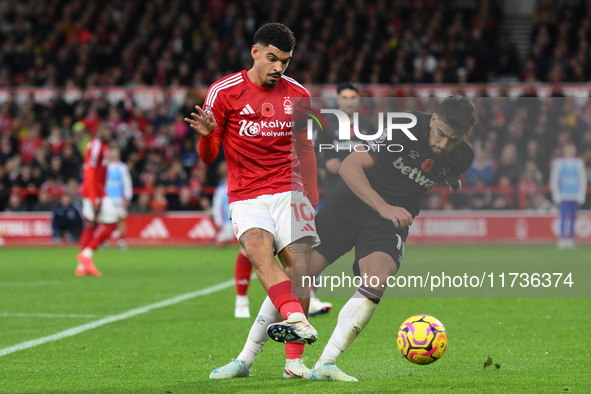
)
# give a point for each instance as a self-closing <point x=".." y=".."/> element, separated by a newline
<point x="156" y="229"/>
<point x="202" y="230"/>
<point x="308" y="227"/>
<point x="247" y="110"/>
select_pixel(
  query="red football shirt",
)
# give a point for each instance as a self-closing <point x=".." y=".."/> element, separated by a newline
<point x="95" y="170"/>
<point x="254" y="123"/>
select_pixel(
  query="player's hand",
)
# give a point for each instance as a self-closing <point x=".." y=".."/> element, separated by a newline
<point x="455" y="189"/>
<point x="202" y="123"/>
<point x="332" y="165"/>
<point x="398" y="215"/>
<point x="455" y="185"/>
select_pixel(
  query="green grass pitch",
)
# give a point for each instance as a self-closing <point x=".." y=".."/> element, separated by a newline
<point x="540" y="344"/>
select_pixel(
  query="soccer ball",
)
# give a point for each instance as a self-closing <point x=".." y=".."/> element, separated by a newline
<point x="422" y="339"/>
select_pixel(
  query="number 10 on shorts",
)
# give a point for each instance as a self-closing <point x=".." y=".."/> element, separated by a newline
<point x="302" y="211"/>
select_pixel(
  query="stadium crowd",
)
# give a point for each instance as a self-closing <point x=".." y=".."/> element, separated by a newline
<point x="61" y="44"/>
<point x="134" y="43"/>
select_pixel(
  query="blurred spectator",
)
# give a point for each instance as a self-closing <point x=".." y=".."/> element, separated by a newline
<point x="67" y="220"/>
<point x="159" y="202"/>
<point x="142" y="205"/>
<point x="509" y="165"/>
<point x="541" y="204"/>
<point x="482" y="169"/>
<point x="53" y="187"/>
<point x="44" y="202"/>
<point x="329" y="160"/>
<point x="188" y="155"/>
<point x="71" y="162"/>
<point x="14" y="202"/>
<point x="134" y="43"/>
<point x="531" y="179"/>
<point x="184" y="202"/>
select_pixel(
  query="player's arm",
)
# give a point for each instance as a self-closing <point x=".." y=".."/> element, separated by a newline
<point x="305" y="152"/>
<point x="555" y="183"/>
<point x="90" y="172"/>
<point x="454" y="183"/>
<point x="127" y="184"/>
<point x="90" y="177"/>
<point x="582" y="183"/>
<point x="205" y="125"/>
<point x="216" y="207"/>
<point x="353" y="173"/>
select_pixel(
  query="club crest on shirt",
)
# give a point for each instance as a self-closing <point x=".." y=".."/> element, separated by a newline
<point x="287" y="107"/>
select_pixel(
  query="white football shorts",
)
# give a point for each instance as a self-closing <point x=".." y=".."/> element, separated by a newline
<point x="110" y="211"/>
<point x="289" y="216"/>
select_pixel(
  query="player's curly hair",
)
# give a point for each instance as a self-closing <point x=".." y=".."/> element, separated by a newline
<point x="459" y="112"/>
<point x="276" y="34"/>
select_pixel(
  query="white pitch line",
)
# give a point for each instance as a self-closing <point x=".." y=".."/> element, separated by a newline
<point x="72" y="315"/>
<point x="111" y="319"/>
<point x="33" y="283"/>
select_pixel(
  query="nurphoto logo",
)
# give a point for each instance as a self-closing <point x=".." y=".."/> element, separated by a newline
<point x="383" y="133"/>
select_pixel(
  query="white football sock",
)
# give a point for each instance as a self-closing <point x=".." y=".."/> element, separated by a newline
<point x="258" y="336"/>
<point x="241" y="300"/>
<point x="87" y="252"/>
<point x="352" y="319"/>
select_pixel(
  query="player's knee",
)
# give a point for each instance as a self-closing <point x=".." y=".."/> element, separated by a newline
<point x="257" y="244"/>
<point x="379" y="265"/>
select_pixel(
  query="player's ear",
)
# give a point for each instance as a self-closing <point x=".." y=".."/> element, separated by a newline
<point x="254" y="52"/>
<point x="433" y="119"/>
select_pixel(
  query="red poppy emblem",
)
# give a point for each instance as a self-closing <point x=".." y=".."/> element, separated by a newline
<point x="267" y="109"/>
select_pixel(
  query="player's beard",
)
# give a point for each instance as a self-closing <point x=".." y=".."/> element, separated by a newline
<point x="271" y="83"/>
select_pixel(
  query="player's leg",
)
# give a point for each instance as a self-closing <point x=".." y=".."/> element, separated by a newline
<point x="107" y="217"/>
<point x="295" y="260"/>
<point x="563" y="224"/>
<point x="253" y="224"/>
<point x="242" y="274"/>
<point x="317" y="264"/>
<point x="119" y="233"/>
<point x="354" y="316"/>
<point x="379" y="251"/>
<point x="90" y="225"/>
<point x="293" y="216"/>
<point x="317" y="306"/>
<point x="85" y="264"/>
<point x="257" y="337"/>
<point x="56" y="228"/>
<point x="293" y="237"/>
<point x="572" y="217"/>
